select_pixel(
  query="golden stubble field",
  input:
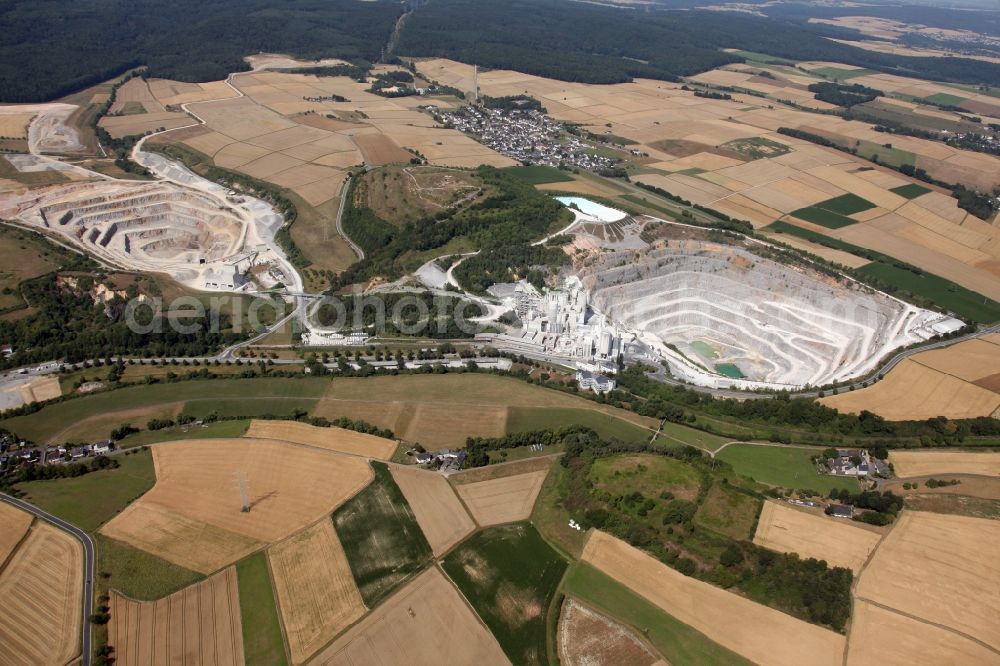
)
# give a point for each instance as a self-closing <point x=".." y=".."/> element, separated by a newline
<point x="928" y="463"/>
<point x="192" y="515"/>
<point x="790" y="530"/>
<point x="759" y="633"/>
<point x="331" y="439"/>
<point x="690" y="142"/>
<point x="423" y="623"/>
<point x="197" y="625"/>
<point x="317" y="597"/>
<point x="14" y="524"/>
<point x="941" y="569"/>
<point x="440" y="514"/>
<point x="41" y="588"/>
<point x="502" y="500"/>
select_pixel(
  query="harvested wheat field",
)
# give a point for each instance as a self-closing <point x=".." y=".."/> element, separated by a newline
<point x="197" y="625"/>
<point x="14" y="524"/>
<point x="789" y="530"/>
<point x="42" y="592"/>
<point x="502" y="500"/>
<point x="942" y="569"/>
<point x="927" y="463"/>
<point x="881" y="636"/>
<point x="192" y="515"/>
<point x="41" y="389"/>
<point x="441" y="516"/>
<point x="759" y="633"/>
<point x="913" y="391"/>
<point x="317" y="597"/>
<point x="587" y="638"/>
<point x="379" y="149"/>
<point x="331" y="439"/>
<point x="426" y="619"/>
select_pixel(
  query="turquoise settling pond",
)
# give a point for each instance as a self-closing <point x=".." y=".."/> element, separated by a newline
<point x="729" y="370"/>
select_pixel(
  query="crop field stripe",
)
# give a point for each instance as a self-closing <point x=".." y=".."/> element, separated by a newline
<point x="964" y="302"/>
<point x="679" y="643"/>
<point x="910" y="190"/>
<point x="846" y="204"/>
<point x="381" y="537"/>
<point x="539" y="175"/>
<point x="823" y="217"/>
<point x="263" y="636"/>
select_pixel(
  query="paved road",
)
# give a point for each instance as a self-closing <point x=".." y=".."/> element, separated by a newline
<point x="88" y="571"/>
<point x="340" y="228"/>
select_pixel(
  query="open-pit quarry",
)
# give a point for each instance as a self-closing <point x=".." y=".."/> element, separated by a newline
<point x="723" y="316"/>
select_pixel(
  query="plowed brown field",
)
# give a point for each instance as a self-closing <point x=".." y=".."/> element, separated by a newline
<point x="587" y="638"/>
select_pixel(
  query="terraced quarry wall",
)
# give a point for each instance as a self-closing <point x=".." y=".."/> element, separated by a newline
<point x="721" y="310"/>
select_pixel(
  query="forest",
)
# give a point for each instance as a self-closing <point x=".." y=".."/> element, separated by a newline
<point x="50" y="48"/>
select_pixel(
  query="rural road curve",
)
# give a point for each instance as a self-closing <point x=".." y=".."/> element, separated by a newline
<point x="88" y="570"/>
<point x="340" y="228"/>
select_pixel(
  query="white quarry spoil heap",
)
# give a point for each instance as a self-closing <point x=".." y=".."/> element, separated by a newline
<point x="702" y="304"/>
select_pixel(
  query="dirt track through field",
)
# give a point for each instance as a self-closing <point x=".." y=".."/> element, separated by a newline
<point x="426" y="623"/>
<point x="759" y="633"/>
<point x="436" y="507"/>
<point x="317" y="596"/>
<point x="41" y="590"/>
<point x="789" y="530"/>
<point x="199" y="625"/>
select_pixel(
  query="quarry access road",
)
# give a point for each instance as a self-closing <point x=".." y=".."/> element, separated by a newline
<point x="88" y="567"/>
<point x="340" y="227"/>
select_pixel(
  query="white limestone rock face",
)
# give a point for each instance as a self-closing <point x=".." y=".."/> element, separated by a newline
<point x="781" y="325"/>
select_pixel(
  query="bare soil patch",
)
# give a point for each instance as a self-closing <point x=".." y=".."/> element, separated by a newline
<point x="379" y="149"/>
<point x="587" y="638"/>
<point x="425" y="621"/>
<point x="199" y="624"/>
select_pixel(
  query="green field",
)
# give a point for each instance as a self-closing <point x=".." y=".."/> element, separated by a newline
<point x="945" y="99"/>
<point x="258" y="394"/>
<point x="646" y="473"/>
<point x="381" y="538"/>
<point x="510" y="575"/>
<point x="552" y="518"/>
<point x="895" y="157"/>
<point x="963" y="302"/>
<point x="539" y="175"/>
<point x="763" y="57"/>
<point x="285" y="406"/>
<point x="138" y="574"/>
<point x="785" y="466"/>
<point x="673" y="434"/>
<point x="219" y="429"/>
<point x="846" y="204"/>
<point x="910" y="190"/>
<point x="729" y="512"/>
<point x="525" y="419"/>
<point x="91" y="500"/>
<point x="823" y="217"/>
<point x="262" y="641"/>
<point x="677" y="642"/>
<point x="840" y="74"/>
